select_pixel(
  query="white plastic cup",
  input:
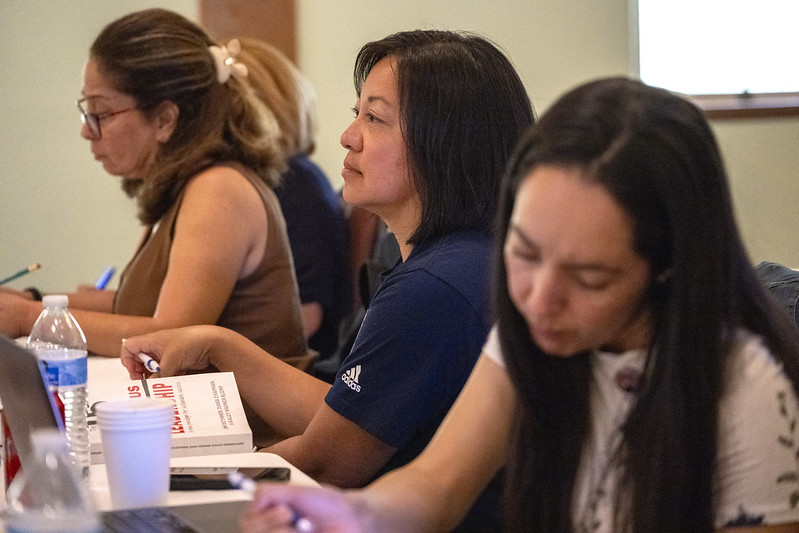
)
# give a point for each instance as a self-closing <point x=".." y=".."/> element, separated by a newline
<point x="137" y="444"/>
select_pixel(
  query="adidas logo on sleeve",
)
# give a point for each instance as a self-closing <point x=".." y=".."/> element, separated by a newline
<point x="350" y="377"/>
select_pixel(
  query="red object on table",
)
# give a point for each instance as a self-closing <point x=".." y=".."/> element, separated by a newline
<point x="11" y="464"/>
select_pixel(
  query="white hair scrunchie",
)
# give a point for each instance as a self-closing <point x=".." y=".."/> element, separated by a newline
<point x="225" y="61"/>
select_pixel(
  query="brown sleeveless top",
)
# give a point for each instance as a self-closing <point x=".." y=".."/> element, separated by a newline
<point x="264" y="306"/>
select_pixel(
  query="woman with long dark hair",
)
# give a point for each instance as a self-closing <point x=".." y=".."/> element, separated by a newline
<point x="639" y="378"/>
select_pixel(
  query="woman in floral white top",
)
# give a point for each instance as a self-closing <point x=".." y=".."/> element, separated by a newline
<point x="639" y="378"/>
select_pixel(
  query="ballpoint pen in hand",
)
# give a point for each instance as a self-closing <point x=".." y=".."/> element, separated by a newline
<point x="31" y="268"/>
<point x="149" y="363"/>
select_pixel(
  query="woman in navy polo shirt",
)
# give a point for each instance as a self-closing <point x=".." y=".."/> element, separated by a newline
<point x="436" y="116"/>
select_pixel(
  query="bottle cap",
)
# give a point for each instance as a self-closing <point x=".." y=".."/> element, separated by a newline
<point x="55" y="300"/>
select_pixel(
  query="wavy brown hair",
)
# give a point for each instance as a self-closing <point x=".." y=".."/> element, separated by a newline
<point x="156" y="56"/>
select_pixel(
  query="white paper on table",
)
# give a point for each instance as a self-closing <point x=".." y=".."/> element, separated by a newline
<point x="98" y="480"/>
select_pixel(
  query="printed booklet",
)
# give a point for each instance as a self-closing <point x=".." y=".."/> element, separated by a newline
<point x="209" y="417"/>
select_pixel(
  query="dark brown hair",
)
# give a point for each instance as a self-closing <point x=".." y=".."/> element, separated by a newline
<point x="155" y="56"/>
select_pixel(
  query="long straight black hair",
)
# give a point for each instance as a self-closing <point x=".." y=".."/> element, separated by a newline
<point x="463" y="108"/>
<point x="656" y="156"/>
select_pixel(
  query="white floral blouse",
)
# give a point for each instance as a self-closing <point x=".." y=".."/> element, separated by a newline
<point x="757" y="467"/>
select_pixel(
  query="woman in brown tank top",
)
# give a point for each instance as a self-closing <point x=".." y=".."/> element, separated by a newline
<point x="173" y="114"/>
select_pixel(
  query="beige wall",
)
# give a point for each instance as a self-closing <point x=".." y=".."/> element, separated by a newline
<point x="762" y="158"/>
<point x="57" y="206"/>
<point x="554" y="45"/>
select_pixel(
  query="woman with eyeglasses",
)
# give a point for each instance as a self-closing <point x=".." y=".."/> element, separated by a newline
<point x="639" y="377"/>
<point x="172" y="114"/>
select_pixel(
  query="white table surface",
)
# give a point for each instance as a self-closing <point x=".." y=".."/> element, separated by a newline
<point x="98" y="481"/>
<point x="111" y="368"/>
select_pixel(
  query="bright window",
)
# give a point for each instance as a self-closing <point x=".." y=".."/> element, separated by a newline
<point x="720" y="46"/>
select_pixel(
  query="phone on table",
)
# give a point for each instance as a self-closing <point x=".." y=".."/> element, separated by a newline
<point x="219" y="481"/>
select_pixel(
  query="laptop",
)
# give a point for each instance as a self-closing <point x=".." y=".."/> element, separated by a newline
<point x="28" y="405"/>
<point x="201" y="518"/>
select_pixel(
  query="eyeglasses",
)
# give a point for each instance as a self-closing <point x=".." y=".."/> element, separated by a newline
<point x="93" y="119"/>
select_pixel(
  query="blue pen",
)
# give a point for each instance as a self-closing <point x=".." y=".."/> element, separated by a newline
<point x="105" y="278"/>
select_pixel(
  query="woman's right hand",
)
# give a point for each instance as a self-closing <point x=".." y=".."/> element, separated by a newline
<point x="176" y="350"/>
<point x="284" y="508"/>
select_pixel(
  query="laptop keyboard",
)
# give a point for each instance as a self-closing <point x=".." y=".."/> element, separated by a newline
<point x="149" y="520"/>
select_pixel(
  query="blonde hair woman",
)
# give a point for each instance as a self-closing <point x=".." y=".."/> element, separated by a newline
<point x="314" y="212"/>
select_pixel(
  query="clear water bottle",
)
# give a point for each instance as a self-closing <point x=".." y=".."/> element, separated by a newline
<point x="48" y="496"/>
<point x="58" y="341"/>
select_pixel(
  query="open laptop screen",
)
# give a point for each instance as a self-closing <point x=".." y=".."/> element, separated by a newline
<point x="27" y="402"/>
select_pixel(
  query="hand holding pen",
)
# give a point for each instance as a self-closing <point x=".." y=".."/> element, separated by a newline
<point x="149" y="363"/>
<point x="175" y="354"/>
<point x="295" y="520"/>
